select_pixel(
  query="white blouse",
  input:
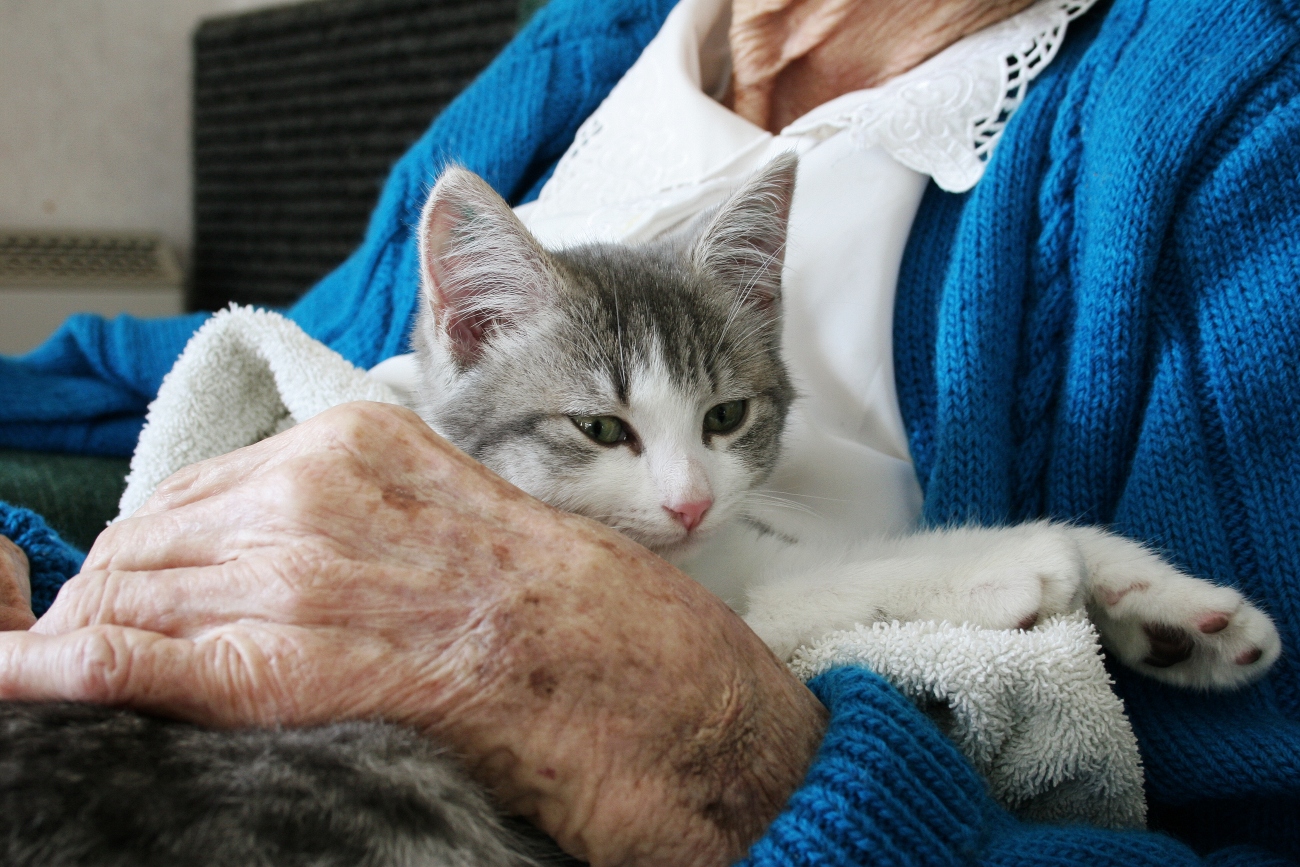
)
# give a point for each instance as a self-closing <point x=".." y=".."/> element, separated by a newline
<point x="660" y="149"/>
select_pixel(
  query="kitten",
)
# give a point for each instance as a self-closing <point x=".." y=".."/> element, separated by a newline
<point x="642" y="386"/>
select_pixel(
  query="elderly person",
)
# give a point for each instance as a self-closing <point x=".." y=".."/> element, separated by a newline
<point x="1093" y="318"/>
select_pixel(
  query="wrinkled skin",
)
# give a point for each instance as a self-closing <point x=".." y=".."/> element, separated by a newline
<point x="15" y="588"/>
<point x="358" y="566"/>
<point x="790" y="56"/>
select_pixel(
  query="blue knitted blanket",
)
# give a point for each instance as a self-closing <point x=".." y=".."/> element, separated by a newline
<point x="87" y="388"/>
<point x="1106" y="329"/>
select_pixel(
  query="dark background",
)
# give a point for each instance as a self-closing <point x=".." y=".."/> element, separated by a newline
<point x="299" y="113"/>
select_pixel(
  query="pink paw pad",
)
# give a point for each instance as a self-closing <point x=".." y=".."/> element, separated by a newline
<point x="1249" y="657"/>
<point x="1215" y="621"/>
<point x="1113" y="597"/>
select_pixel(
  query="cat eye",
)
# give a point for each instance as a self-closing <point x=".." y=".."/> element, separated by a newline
<point x="607" y="430"/>
<point x="725" y="417"/>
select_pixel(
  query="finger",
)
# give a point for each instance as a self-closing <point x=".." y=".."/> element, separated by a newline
<point x="113" y="665"/>
<point x="174" y="602"/>
<point x="361" y="426"/>
<point x="201" y="533"/>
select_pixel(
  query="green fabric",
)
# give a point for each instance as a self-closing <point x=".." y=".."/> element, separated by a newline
<point x="527" y="9"/>
<point x="76" y="494"/>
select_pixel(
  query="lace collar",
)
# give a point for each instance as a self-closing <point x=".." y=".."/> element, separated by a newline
<point x="660" y="147"/>
<point x="944" y="117"/>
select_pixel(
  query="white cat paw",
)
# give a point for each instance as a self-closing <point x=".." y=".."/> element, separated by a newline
<point x="1171" y="626"/>
<point x="1185" y="631"/>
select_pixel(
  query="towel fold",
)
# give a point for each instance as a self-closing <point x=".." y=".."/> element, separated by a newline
<point x="243" y="376"/>
<point x="1033" y="710"/>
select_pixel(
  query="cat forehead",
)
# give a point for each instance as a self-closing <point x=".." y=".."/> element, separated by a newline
<point x="642" y="310"/>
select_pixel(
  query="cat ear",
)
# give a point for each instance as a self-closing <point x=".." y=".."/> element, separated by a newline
<point x="481" y="271"/>
<point x="743" y="241"/>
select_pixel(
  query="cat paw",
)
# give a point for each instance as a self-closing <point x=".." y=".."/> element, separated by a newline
<point x="1175" y="628"/>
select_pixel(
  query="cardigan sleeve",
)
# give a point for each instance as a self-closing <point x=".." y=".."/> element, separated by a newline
<point x="887" y="788"/>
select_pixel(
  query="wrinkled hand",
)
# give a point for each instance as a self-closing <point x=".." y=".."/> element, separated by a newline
<point x="15" y="588"/>
<point x="358" y="566"/>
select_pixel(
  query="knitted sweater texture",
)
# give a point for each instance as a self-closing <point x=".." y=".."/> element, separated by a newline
<point x="1106" y="329"/>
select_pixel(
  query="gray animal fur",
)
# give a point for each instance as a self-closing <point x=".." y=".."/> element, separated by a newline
<point x="514" y="342"/>
<point x="85" y="785"/>
<point x="543" y="335"/>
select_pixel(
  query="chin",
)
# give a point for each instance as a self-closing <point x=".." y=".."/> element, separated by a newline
<point x="679" y="549"/>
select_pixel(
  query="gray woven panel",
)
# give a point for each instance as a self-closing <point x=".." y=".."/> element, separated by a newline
<point x="299" y="112"/>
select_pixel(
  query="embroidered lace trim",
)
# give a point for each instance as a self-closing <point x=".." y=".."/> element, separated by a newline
<point x="944" y="117"/>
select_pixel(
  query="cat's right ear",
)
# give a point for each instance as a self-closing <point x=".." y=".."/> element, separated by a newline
<point x="742" y="242"/>
<point x="481" y="271"/>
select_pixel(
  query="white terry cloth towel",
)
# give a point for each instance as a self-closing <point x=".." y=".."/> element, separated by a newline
<point x="245" y="375"/>
<point x="1033" y="710"/>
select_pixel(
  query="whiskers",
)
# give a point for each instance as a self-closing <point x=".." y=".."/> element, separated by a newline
<point x="780" y="500"/>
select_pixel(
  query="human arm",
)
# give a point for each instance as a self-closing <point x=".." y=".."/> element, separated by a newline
<point x="358" y="566"/>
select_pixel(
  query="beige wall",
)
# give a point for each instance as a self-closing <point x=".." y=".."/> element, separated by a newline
<point x="95" y="110"/>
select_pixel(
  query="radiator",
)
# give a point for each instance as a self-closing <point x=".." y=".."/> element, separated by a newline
<point x="299" y="112"/>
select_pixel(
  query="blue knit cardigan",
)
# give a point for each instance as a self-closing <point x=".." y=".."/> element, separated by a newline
<point x="1106" y="329"/>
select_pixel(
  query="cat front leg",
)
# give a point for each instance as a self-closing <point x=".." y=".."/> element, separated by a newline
<point x="997" y="578"/>
<point x="1154" y="618"/>
<point x="1169" y="625"/>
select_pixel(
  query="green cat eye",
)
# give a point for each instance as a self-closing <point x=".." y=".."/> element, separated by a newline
<point x="725" y="417"/>
<point x="607" y="430"/>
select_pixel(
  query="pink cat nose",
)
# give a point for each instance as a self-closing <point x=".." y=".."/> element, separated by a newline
<point x="689" y="515"/>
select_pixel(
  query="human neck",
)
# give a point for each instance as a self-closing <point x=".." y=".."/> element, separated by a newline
<point x="790" y="56"/>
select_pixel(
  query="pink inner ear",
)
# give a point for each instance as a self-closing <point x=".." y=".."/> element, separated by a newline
<point x="438" y="227"/>
<point x="480" y="268"/>
<point x="464" y="328"/>
<point x="466" y="333"/>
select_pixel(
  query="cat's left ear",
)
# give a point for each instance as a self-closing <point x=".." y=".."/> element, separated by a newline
<point x="743" y="241"/>
<point x="481" y="270"/>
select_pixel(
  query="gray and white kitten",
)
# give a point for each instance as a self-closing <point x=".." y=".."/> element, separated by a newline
<point x="642" y="386"/>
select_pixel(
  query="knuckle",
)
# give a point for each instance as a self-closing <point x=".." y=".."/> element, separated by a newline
<point x="78" y="598"/>
<point x="103" y="666"/>
<point x="175" y="487"/>
<point x="351" y="422"/>
<point x="297" y="490"/>
<point x="365" y="424"/>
